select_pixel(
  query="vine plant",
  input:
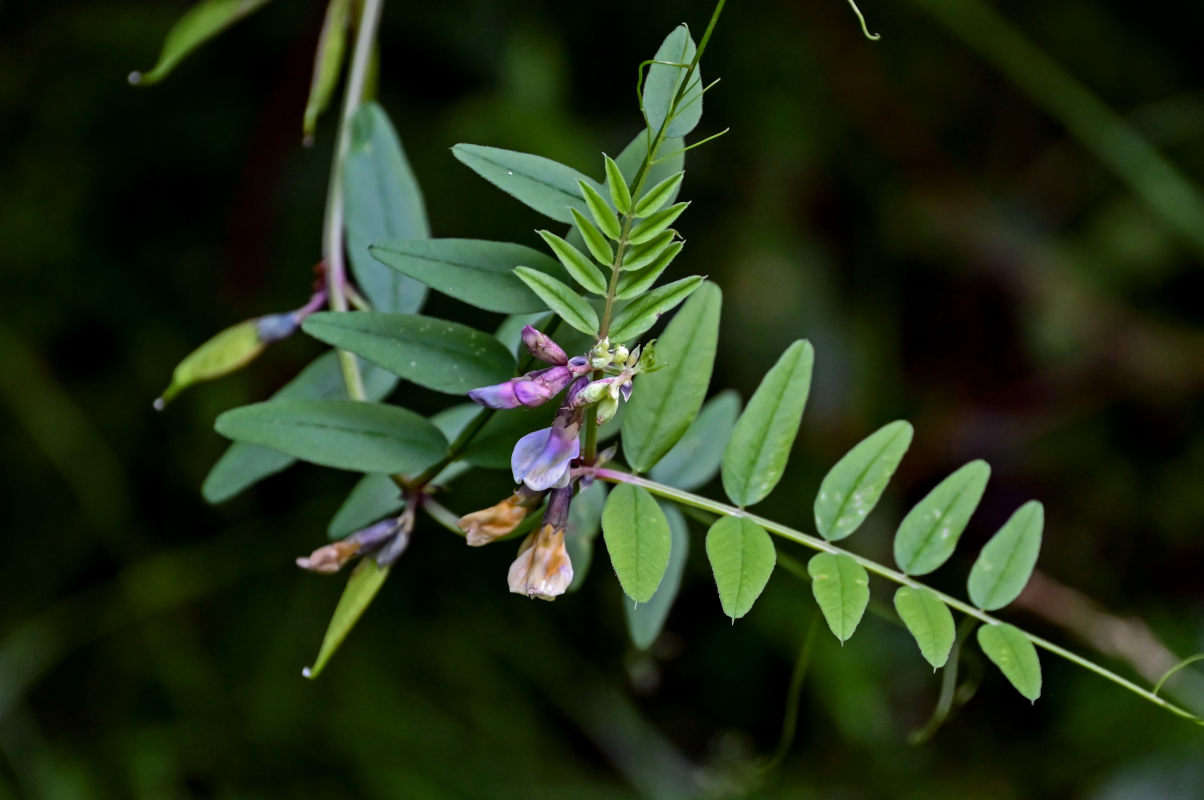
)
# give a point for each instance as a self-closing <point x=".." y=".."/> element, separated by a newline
<point x="546" y="425"/>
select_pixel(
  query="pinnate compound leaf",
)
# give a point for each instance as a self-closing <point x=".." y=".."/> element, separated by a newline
<point x="842" y="589"/>
<point x="473" y="271"/>
<point x="666" y="401"/>
<point x="365" y="581"/>
<point x="384" y="202"/>
<point x="440" y="355"/>
<point x="853" y="487"/>
<point x="635" y="283"/>
<point x="742" y="557"/>
<point x="659" y="195"/>
<point x="570" y="306"/>
<point x="695" y="458"/>
<point x="595" y="242"/>
<point x="328" y="62"/>
<point x="760" y="445"/>
<point x="643" y="312"/>
<point x="225" y="352"/>
<point x="638" y="539"/>
<point x="646" y="620"/>
<point x="1006" y="562"/>
<point x="545" y="185"/>
<point x="649" y="228"/>
<point x="928" y="534"/>
<point x="663" y="82"/>
<point x="620" y="195"/>
<point x="576" y="263"/>
<point x="929" y="622"/>
<point x="199" y="24"/>
<point x="244" y="465"/>
<point x="1011" y="651"/>
<point x="373" y="498"/>
<point x="603" y="215"/>
<point x="343" y="434"/>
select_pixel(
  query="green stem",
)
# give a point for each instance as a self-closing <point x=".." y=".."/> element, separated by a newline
<point x="815" y="543"/>
<point x="332" y="228"/>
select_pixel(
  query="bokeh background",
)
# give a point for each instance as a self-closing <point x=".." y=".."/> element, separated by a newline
<point x="948" y="214"/>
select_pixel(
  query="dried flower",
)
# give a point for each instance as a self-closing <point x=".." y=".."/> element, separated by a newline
<point x="330" y="558"/>
<point x="484" y="526"/>
<point x="543" y="568"/>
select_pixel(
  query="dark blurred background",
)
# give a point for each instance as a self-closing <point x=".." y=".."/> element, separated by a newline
<point x="945" y="213"/>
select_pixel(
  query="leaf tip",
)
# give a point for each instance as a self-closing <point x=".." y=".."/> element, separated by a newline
<point x="159" y="404"/>
<point x="308" y="673"/>
<point x="134" y="78"/>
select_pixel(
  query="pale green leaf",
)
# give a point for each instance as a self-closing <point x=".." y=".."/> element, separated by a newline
<point x="365" y="581"/>
<point x="373" y="498"/>
<point x="742" y="558"/>
<point x="928" y="534"/>
<point x="225" y="352"/>
<point x="646" y="620"/>
<point x="632" y="284"/>
<point x="620" y="195"/>
<point x="638" y="539"/>
<point x="199" y="24"/>
<point x="570" y="306"/>
<point x="595" y="242"/>
<point x="641" y="255"/>
<point x="477" y="272"/>
<point x="328" y="62"/>
<point x="440" y="355"/>
<point x="1006" y="562"/>
<point x="695" y="458"/>
<point x="665" y="402"/>
<point x="661" y="86"/>
<point x="545" y="185"/>
<point x="842" y="590"/>
<point x="243" y="464"/>
<point x="603" y="215"/>
<point x="576" y="263"/>
<point x="853" y="487"/>
<point x="760" y="445"/>
<point x="643" y="312"/>
<point x="657" y="197"/>
<point x="344" y="434"/>
<point x="929" y="622"/>
<point x="383" y="202"/>
<point x="649" y="228"/>
<point x="1011" y="651"/>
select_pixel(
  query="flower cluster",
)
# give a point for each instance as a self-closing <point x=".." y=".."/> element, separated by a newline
<point x="542" y="461"/>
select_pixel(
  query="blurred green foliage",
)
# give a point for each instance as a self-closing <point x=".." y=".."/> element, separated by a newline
<point x="957" y="257"/>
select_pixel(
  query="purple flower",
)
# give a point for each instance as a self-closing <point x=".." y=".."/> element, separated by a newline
<point x="542" y="347"/>
<point x="533" y="389"/>
<point x="541" y="458"/>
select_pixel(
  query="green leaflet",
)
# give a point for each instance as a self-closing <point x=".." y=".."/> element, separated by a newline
<point x="578" y="265"/>
<point x="545" y="185"/>
<point x="929" y="622"/>
<point x="328" y="62"/>
<point x="601" y="212"/>
<point x="761" y="441"/>
<point x="928" y="534"/>
<point x="198" y="25"/>
<point x="344" y="434"/>
<point x="373" y="498"/>
<point x="1006" y="562"/>
<point x="383" y="202"/>
<point x="742" y="558"/>
<point x="643" y="312"/>
<point x="365" y="581"/>
<point x="638" y="539"/>
<point x="649" y="228"/>
<point x="225" y="352"/>
<point x="620" y="195"/>
<point x="646" y="620"/>
<point x="570" y="306"/>
<point x="662" y="84"/>
<point x="665" y="402"/>
<point x="1011" y="651"/>
<point x="585" y="521"/>
<point x="659" y="195"/>
<point x="245" y="464"/>
<point x="853" y="487"/>
<point x="695" y="458"/>
<point x="842" y="590"/>
<point x="473" y="271"/>
<point x="595" y="242"/>
<point x="670" y="159"/>
<point x="632" y="284"/>
<point x="637" y="257"/>
<point x="440" y="355"/>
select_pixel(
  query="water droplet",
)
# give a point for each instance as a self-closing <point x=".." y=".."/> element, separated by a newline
<point x="509" y="172"/>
